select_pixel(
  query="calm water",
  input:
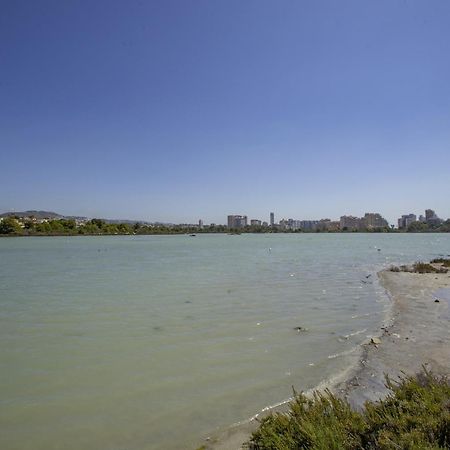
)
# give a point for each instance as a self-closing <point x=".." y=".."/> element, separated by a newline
<point x="153" y="342"/>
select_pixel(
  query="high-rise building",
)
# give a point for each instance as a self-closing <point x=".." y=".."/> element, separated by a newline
<point x="255" y="222"/>
<point x="430" y="214"/>
<point x="406" y="220"/>
<point x="327" y="225"/>
<point x="431" y="218"/>
<point x="374" y="220"/>
<point x="308" y="225"/>
<point x="272" y="219"/>
<point x="200" y="223"/>
<point x="350" y="223"/>
<point x="236" y="221"/>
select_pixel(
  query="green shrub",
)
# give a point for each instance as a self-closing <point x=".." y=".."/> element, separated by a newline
<point x="416" y="415"/>
<point x="9" y="225"/>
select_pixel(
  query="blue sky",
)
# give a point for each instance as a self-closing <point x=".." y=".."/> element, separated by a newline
<point x="180" y="110"/>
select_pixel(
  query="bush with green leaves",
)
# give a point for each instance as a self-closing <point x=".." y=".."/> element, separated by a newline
<point x="416" y="415"/>
<point x="9" y="225"/>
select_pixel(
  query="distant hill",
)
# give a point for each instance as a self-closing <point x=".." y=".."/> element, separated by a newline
<point x="52" y="215"/>
<point x="37" y="214"/>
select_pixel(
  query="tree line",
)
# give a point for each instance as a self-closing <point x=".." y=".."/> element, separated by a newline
<point x="59" y="227"/>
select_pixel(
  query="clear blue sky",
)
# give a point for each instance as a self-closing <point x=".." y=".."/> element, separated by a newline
<point x="180" y="110"/>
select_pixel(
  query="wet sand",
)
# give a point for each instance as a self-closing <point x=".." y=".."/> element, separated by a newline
<point x="418" y="334"/>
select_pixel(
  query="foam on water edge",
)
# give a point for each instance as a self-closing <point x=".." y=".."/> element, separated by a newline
<point x="344" y="374"/>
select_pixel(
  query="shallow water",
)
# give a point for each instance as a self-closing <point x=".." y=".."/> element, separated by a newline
<point x="153" y="342"/>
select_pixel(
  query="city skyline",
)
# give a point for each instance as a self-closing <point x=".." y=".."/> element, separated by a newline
<point x="373" y="219"/>
<point x="171" y="111"/>
<point x="369" y="220"/>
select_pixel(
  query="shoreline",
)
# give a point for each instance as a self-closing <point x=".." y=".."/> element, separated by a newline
<point x="416" y="334"/>
<point x="13" y="235"/>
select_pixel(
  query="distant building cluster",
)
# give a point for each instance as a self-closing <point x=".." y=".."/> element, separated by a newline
<point x="237" y="221"/>
<point x="370" y="221"/>
<point x="430" y="218"/>
<point x="406" y="220"/>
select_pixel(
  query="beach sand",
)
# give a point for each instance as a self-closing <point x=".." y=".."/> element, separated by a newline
<point x="418" y="334"/>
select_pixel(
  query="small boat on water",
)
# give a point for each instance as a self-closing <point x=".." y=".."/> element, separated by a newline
<point x="192" y="235"/>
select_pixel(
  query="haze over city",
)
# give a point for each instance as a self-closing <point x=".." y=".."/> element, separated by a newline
<point x="175" y="111"/>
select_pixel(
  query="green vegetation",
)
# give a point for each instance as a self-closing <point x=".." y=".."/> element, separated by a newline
<point x="416" y="415"/>
<point x="57" y="226"/>
<point x="9" y="225"/>
<point x="420" y="227"/>
<point x="14" y="226"/>
<point x="417" y="227"/>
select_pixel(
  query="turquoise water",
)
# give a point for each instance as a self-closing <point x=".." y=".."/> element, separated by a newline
<point x="154" y="342"/>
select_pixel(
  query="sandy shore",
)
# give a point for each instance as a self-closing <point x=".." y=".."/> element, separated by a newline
<point x="418" y="334"/>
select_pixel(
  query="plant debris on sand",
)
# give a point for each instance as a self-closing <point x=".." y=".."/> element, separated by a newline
<point x="444" y="261"/>
<point x="416" y="415"/>
<point x="419" y="267"/>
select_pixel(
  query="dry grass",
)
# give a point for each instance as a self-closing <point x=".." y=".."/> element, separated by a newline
<point x="419" y="267"/>
<point x="444" y="261"/>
